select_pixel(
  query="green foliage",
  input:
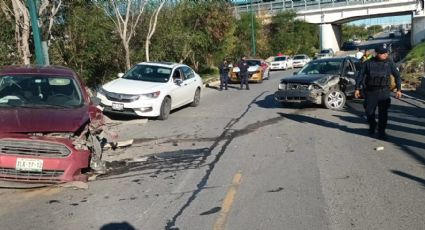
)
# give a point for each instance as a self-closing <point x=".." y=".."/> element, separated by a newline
<point x="199" y="33"/>
<point x="361" y="32"/>
<point x="85" y="42"/>
<point x="8" y="52"/>
<point x="194" y="32"/>
<point x="417" y="53"/>
<point x="372" y="30"/>
<point x="291" y="36"/>
<point x="243" y="35"/>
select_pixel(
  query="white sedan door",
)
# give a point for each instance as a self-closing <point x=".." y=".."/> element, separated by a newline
<point x="178" y="90"/>
<point x="191" y="83"/>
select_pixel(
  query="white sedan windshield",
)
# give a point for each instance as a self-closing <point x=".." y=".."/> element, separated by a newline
<point x="148" y="73"/>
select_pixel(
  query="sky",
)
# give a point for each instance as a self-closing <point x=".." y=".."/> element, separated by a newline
<point x="405" y="19"/>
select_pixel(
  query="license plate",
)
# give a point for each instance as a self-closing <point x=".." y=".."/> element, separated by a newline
<point x="31" y="165"/>
<point x="117" y="106"/>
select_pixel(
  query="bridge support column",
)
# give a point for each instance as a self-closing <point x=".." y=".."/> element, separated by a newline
<point x="418" y="29"/>
<point x="330" y="36"/>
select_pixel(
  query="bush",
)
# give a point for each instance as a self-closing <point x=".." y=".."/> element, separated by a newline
<point x="211" y="70"/>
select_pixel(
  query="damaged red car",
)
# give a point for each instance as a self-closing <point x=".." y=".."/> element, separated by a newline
<point x="50" y="129"/>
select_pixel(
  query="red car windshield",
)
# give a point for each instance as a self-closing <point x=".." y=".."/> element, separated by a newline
<point x="39" y="91"/>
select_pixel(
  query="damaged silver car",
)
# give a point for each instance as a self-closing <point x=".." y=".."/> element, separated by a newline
<point x="327" y="81"/>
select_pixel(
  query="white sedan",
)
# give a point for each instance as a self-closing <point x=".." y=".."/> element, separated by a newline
<point x="281" y="62"/>
<point x="151" y="89"/>
<point x="300" y="60"/>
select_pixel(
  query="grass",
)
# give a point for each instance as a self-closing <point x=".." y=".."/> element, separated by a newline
<point x="412" y="69"/>
<point x="417" y="53"/>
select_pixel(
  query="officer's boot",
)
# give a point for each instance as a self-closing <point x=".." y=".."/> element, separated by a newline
<point x="372" y="123"/>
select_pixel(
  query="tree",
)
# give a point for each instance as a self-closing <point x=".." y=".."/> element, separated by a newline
<point x="126" y="15"/>
<point x="196" y="33"/>
<point x="8" y="54"/>
<point x="291" y="36"/>
<point x="47" y="13"/>
<point x="18" y="14"/>
<point x="85" y="41"/>
<point x="152" y="27"/>
<point x="243" y="35"/>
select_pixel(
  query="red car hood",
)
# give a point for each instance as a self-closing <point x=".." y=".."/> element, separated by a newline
<point x="23" y="120"/>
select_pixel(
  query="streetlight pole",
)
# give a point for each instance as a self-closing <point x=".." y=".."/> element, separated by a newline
<point x="252" y="30"/>
<point x="36" y="32"/>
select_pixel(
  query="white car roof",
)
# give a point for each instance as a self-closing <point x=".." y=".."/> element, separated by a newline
<point x="162" y="64"/>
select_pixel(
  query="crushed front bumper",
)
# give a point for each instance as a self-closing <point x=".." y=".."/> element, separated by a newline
<point x="298" y="96"/>
<point x="57" y="160"/>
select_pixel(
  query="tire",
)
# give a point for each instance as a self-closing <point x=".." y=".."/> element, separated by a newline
<point x="197" y="98"/>
<point x="165" y="109"/>
<point x="334" y="99"/>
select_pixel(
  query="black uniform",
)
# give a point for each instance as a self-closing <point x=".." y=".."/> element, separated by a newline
<point x="374" y="77"/>
<point x="243" y="73"/>
<point x="224" y="75"/>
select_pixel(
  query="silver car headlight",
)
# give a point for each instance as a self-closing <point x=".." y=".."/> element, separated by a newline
<point x="152" y="95"/>
<point x="102" y="91"/>
<point x="282" y="86"/>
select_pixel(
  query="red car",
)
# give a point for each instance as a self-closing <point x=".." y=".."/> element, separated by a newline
<point x="49" y="125"/>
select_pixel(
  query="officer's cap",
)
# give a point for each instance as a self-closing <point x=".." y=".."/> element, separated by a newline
<point x="382" y="49"/>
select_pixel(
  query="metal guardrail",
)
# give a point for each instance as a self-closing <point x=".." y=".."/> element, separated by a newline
<point x="298" y="5"/>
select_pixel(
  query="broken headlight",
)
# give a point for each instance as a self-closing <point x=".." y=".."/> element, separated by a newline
<point x="311" y="87"/>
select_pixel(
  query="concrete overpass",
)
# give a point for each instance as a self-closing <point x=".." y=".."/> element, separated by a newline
<point x="330" y="14"/>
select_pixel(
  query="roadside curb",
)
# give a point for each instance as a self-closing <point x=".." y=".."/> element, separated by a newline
<point x="213" y="81"/>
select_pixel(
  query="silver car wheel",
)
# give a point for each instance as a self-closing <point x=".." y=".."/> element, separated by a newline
<point x="335" y="99"/>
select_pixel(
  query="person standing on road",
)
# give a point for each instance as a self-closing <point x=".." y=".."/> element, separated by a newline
<point x="243" y="72"/>
<point x="359" y="54"/>
<point x="374" y="77"/>
<point x="224" y="75"/>
<point x="366" y="56"/>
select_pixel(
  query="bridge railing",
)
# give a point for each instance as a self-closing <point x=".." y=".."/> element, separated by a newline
<point x="298" y="5"/>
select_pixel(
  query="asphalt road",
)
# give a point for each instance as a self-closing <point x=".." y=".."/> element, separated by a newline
<point x="241" y="161"/>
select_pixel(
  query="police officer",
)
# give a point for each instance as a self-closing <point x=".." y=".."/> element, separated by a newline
<point x="243" y="73"/>
<point x="224" y="74"/>
<point x="375" y="78"/>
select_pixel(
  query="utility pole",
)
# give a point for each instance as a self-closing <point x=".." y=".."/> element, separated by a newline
<point x="252" y="30"/>
<point x="36" y="32"/>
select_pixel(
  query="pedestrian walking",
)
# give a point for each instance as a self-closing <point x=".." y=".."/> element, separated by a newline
<point x="374" y="77"/>
<point x="243" y="72"/>
<point x="224" y="75"/>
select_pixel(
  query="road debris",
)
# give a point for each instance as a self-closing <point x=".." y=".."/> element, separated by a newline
<point x="380" y="148"/>
<point x="75" y="185"/>
<point x="118" y="144"/>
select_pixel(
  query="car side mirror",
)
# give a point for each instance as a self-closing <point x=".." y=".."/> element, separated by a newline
<point x="178" y="81"/>
<point x="120" y="75"/>
<point x="295" y="73"/>
<point x="351" y="73"/>
<point x="95" y="100"/>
